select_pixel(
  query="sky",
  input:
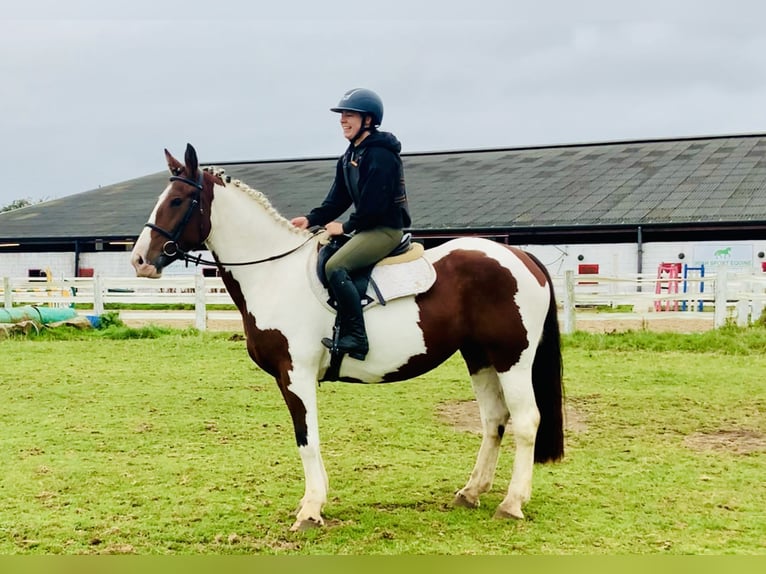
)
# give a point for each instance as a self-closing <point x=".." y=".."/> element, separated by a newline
<point x="91" y="92"/>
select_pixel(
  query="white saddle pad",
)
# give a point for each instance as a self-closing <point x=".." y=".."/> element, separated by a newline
<point x="401" y="279"/>
<point x="392" y="279"/>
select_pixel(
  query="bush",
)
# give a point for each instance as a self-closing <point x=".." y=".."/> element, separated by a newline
<point x="110" y="319"/>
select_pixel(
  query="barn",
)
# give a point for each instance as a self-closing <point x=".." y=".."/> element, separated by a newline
<point x="612" y="207"/>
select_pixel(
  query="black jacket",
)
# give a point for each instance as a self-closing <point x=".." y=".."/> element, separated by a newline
<point x="371" y="178"/>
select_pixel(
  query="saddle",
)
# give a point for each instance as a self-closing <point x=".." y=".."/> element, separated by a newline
<point x="404" y="271"/>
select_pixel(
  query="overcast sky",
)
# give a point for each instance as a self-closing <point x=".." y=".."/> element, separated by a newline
<point x="92" y="91"/>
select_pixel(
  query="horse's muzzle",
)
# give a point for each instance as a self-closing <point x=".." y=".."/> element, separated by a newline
<point x="145" y="269"/>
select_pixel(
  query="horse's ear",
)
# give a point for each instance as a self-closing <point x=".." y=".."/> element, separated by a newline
<point x="175" y="166"/>
<point x="190" y="159"/>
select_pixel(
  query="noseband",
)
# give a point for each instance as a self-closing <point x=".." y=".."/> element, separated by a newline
<point x="171" y="249"/>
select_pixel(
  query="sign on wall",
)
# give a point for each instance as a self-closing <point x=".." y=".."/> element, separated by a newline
<point x="717" y="255"/>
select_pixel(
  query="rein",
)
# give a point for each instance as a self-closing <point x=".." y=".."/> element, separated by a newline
<point x="198" y="259"/>
<point x="172" y="249"/>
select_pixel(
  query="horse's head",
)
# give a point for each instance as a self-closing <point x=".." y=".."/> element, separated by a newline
<point x="180" y="221"/>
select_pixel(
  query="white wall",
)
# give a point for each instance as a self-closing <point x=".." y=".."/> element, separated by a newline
<point x="613" y="259"/>
<point x="109" y="263"/>
<point x="19" y="264"/>
<point x="105" y="263"/>
<point x="622" y="258"/>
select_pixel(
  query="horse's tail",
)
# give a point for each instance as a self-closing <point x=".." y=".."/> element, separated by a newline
<point x="548" y="383"/>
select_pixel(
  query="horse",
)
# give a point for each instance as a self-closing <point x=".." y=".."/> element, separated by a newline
<point x="492" y="303"/>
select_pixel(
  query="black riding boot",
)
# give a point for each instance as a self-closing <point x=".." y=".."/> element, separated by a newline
<point x="353" y="337"/>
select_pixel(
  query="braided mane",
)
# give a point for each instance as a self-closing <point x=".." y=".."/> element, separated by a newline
<point x="256" y="195"/>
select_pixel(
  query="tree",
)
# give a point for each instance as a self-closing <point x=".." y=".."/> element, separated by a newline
<point x="18" y="204"/>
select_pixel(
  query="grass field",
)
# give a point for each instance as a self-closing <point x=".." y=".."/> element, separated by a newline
<point x="155" y="441"/>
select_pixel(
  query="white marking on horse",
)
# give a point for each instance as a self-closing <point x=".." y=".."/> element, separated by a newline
<point x="138" y="255"/>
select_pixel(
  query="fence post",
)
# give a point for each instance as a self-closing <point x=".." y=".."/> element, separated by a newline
<point x="200" y="309"/>
<point x="720" y="297"/>
<point x="569" y="305"/>
<point x="743" y="312"/>
<point x="8" y="294"/>
<point x="757" y="309"/>
<point x="98" y="295"/>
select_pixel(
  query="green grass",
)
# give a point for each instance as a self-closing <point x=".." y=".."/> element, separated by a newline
<point x="156" y="441"/>
<point x="158" y="306"/>
<point x="729" y="340"/>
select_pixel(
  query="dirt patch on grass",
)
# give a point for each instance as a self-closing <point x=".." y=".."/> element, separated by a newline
<point x="212" y="324"/>
<point x="464" y="416"/>
<point x="585" y="321"/>
<point x="738" y="441"/>
<point x="654" y="322"/>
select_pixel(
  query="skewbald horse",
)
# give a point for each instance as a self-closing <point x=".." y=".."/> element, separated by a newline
<point x="491" y="302"/>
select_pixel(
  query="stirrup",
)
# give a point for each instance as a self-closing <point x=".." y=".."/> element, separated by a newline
<point x="335" y="350"/>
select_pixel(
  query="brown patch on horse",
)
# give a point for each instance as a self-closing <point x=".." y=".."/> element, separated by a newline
<point x="460" y="313"/>
<point x="530" y="264"/>
<point x="198" y="226"/>
<point x="209" y="180"/>
<point x="269" y="349"/>
<point x="175" y="166"/>
<point x="217" y="179"/>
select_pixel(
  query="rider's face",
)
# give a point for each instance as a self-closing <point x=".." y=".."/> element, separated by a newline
<point x="350" y="122"/>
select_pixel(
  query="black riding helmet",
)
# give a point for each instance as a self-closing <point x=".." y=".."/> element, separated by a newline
<point x="363" y="101"/>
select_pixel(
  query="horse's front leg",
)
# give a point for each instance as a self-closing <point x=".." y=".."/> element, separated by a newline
<point x="300" y="396"/>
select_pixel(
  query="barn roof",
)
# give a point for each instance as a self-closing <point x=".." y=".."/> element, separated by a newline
<point x="585" y="188"/>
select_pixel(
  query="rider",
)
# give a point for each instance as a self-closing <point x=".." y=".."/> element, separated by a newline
<point x="369" y="176"/>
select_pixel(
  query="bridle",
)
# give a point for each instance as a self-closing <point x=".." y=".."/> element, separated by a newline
<point x="171" y="247"/>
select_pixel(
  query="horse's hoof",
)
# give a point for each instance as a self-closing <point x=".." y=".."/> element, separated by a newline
<point x="307" y="524"/>
<point x="463" y="501"/>
<point x="503" y="514"/>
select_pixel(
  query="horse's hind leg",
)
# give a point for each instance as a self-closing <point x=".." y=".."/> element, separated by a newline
<point x="494" y="417"/>
<point x="525" y="418"/>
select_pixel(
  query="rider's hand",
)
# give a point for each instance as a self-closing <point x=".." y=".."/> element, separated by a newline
<point x="334" y="228"/>
<point x="301" y="222"/>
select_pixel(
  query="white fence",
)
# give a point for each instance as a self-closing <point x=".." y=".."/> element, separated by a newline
<point x="97" y="292"/>
<point x="726" y="294"/>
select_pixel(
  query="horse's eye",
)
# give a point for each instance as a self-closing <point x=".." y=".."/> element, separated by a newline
<point x="176" y="202"/>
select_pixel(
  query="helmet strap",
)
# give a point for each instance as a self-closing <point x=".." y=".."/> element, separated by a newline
<point x="371" y="128"/>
